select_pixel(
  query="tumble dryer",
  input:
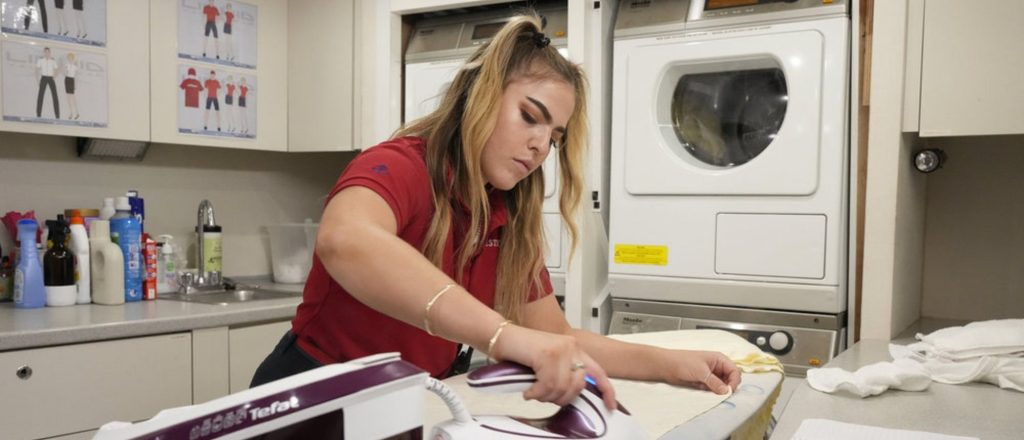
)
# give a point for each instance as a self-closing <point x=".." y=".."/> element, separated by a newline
<point x="437" y="49"/>
<point x="729" y="171"/>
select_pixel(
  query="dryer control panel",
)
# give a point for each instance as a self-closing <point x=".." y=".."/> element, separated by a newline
<point x="798" y="348"/>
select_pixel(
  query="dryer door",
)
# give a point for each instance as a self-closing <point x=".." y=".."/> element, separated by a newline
<point x="735" y="115"/>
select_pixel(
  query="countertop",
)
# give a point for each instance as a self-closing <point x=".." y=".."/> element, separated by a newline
<point x="973" y="410"/>
<point x="47" y="326"/>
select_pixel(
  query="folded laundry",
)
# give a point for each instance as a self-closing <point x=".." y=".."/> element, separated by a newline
<point x="986" y="351"/>
<point x="995" y="337"/>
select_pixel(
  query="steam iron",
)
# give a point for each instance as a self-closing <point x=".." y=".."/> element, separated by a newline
<point x="584" y="418"/>
<point x="338" y="401"/>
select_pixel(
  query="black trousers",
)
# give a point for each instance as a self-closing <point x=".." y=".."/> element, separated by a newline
<point x="287" y="359"/>
<point x="44" y="83"/>
<point x="42" y="14"/>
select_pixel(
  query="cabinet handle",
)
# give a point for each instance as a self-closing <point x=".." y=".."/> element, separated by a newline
<point x="24" y="372"/>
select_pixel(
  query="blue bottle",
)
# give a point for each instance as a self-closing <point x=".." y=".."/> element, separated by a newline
<point x="29" y="290"/>
<point x="126" y="232"/>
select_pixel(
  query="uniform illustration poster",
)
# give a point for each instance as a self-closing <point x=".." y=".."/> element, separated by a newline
<point x="217" y="31"/>
<point x="54" y="85"/>
<point x="68" y="21"/>
<point x="216" y="102"/>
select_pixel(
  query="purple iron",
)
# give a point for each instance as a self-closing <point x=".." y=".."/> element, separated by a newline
<point x="585" y="418"/>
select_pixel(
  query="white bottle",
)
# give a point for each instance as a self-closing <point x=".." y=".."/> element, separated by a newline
<point x="107" y="266"/>
<point x="166" y="266"/>
<point x="80" y="248"/>
<point x="108" y="210"/>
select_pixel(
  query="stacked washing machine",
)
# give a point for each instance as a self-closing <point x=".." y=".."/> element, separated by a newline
<point x="437" y="49"/>
<point x="730" y="170"/>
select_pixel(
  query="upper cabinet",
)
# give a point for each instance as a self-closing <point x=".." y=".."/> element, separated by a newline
<point x="320" y="75"/>
<point x="82" y="70"/>
<point x="969" y="57"/>
<point x="219" y="73"/>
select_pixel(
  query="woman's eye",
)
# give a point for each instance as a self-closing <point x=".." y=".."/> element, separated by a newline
<point x="529" y="119"/>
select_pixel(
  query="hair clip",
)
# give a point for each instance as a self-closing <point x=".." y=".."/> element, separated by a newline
<point x="541" y="40"/>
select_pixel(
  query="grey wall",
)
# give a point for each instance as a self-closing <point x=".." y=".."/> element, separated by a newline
<point x="974" y="233"/>
<point x="248" y="189"/>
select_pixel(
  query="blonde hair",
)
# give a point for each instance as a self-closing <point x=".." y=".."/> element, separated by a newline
<point x="455" y="136"/>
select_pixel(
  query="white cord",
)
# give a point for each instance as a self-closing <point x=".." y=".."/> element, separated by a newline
<point x="451" y="399"/>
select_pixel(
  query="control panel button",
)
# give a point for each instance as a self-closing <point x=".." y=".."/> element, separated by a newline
<point x="760" y="341"/>
<point x="779" y="341"/>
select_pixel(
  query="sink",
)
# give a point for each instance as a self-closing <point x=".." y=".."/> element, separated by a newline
<point x="225" y="297"/>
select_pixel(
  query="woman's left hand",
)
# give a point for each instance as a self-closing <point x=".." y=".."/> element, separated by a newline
<point x="707" y="370"/>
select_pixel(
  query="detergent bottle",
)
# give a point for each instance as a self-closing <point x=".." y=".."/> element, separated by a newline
<point x="107" y="265"/>
<point x="80" y="249"/>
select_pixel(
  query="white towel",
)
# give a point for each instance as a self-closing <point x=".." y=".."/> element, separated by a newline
<point x="995" y="337"/>
<point x="869" y="380"/>
<point x="985" y="351"/>
<point x="1006" y="371"/>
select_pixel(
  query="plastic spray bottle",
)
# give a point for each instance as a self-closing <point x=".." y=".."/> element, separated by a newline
<point x="29" y="290"/>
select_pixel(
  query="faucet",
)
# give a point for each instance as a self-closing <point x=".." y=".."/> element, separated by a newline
<point x="204" y="280"/>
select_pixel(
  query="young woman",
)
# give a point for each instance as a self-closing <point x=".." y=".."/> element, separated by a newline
<point x="434" y="238"/>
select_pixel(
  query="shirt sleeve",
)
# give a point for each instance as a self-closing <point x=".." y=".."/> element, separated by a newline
<point x="398" y="174"/>
<point x="544" y="289"/>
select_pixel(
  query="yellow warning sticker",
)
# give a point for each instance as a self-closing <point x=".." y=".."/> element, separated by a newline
<point x="641" y="254"/>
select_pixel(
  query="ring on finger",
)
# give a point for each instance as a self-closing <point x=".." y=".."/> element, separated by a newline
<point x="577" y="365"/>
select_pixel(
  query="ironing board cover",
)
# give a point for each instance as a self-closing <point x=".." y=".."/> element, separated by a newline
<point x="657" y="407"/>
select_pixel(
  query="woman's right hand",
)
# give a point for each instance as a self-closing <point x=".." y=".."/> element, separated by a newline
<point x="560" y="364"/>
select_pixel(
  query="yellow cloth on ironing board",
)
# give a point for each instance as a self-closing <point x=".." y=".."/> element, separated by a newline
<point x="656" y="406"/>
<point x="674" y="405"/>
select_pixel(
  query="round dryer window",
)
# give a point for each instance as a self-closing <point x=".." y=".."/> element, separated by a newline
<point x="726" y="119"/>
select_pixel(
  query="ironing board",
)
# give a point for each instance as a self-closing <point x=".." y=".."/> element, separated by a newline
<point x="755" y="392"/>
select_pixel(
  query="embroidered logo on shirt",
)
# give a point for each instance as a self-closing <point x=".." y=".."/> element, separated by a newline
<point x="492" y="242"/>
<point x="380" y="169"/>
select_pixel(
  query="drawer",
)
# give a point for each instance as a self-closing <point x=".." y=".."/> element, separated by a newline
<point x="79" y="387"/>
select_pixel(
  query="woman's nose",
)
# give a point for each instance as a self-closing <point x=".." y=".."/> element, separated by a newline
<point x="540" y="141"/>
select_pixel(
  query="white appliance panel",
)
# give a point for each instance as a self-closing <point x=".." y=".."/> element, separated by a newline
<point x="771" y="245"/>
<point x="658" y="164"/>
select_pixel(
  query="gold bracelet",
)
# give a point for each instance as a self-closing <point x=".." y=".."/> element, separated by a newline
<point x="426" y="314"/>
<point x="494" y="339"/>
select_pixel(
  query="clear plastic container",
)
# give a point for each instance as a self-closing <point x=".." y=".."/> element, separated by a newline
<point x="291" y="250"/>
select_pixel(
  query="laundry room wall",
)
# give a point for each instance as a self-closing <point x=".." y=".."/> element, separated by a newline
<point x="248" y="189"/>
<point x="974" y="230"/>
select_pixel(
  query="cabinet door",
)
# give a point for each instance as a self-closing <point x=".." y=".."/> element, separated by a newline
<point x="970" y="77"/>
<point x="320" y="54"/>
<point x="248" y="346"/>
<point x="111" y="74"/>
<point x="176" y="117"/>
<point x="80" y="387"/>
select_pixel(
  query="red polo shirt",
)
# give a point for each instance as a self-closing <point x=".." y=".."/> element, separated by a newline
<point x="332" y="326"/>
